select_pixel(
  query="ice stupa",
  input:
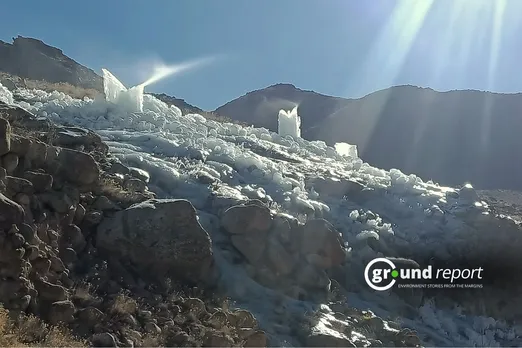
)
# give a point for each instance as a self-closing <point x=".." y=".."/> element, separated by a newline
<point x="289" y="123"/>
<point x="115" y="92"/>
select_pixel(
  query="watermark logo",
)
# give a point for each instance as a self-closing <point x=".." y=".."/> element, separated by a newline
<point x="382" y="274"/>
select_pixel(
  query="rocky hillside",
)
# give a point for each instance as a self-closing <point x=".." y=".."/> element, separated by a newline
<point x="58" y="187"/>
<point x="48" y="68"/>
<point x="33" y="59"/>
<point x="450" y="137"/>
<point x="89" y="256"/>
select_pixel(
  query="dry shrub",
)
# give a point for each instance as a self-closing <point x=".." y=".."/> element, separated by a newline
<point x="29" y="331"/>
<point x="64" y="87"/>
<point x="124" y="304"/>
<point x="82" y="293"/>
<point x="113" y="190"/>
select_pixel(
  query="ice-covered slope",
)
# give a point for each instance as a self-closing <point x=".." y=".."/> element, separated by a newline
<point x="407" y="216"/>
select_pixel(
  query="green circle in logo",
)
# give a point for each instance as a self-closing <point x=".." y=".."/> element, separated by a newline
<point x="395" y="273"/>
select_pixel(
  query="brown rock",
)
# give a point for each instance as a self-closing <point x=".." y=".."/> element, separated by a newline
<point x="9" y="289"/>
<point x="281" y="261"/>
<point x="152" y="328"/>
<point x="195" y="305"/>
<point x="23" y="199"/>
<point x="61" y="312"/>
<point x="10" y="162"/>
<point x="308" y="276"/>
<point x="93" y="217"/>
<point x="5" y="136"/>
<point x="36" y="153"/>
<point x="218" y="319"/>
<point x="19" y="145"/>
<point x="103" y="203"/>
<point x="251" y="246"/>
<point x="319" y="236"/>
<point x="57" y="264"/>
<point x="79" y="214"/>
<point x="103" y="340"/>
<point x="74" y="237"/>
<point x="57" y="200"/>
<point x="217" y="339"/>
<point x="247" y="219"/>
<point x="50" y="292"/>
<point x="10" y="212"/>
<point x="17" y="240"/>
<point x="41" y="265"/>
<point x="69" y="256"/>
<point x="241" y="318"/>
<point x="32" y="252"/>
<point x="19" y="185"/>
<point x="41" y="181"/>
<point x="90" y="316"/>
<point x="164" y="235"/>
<point x="77" y="167"/>
<point x="257" y="339"/>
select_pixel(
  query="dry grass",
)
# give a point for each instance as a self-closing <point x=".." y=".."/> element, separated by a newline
<point x="29" y="331"/>
<point x="124" y="304"/>
<point x="113" y="190"/>
<point x="64" y="87"/>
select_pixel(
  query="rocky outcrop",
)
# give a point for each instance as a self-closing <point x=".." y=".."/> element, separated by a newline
<point x="58" y="265"/>
<point x="282" y="254"/>
<point x="162" y="235"/>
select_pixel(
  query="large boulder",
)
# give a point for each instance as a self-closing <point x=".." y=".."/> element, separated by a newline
<point x="21" y="117"/>
<point x="247" y="219"/>
<point x="76" y="166"/>
<point x="248" y="226"/>
<point x="162" y="235"/>
<point x="320" y="239"/>
<point x="10" y="212"/>
<point x="73" y="137"/>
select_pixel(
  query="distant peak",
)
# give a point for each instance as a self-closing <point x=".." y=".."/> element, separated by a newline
<point x="282" y="86"/>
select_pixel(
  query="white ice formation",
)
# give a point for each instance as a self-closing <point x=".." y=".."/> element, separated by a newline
<point x="297" y="177"/>
<point x="130" y="100"/>
<point x="345" y="149"/>
<point x="289" y="123"/>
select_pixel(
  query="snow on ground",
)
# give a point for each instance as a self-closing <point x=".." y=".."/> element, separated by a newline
<point x="293" y="175"/>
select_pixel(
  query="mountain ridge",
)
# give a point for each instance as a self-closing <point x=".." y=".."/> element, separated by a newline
<point x="415" y="129"/>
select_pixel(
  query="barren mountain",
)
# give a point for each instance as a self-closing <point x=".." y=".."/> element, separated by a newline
<point x="450" y="137"/>
<point x="33" y="59"/>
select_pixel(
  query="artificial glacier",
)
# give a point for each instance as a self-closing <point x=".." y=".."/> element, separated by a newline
<point x="131" y="100"/>
<point x="296" y="177"/>
<point x="289" y="123"/>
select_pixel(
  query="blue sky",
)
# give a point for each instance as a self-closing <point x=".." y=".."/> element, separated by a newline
<point x="346" y="48"/>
